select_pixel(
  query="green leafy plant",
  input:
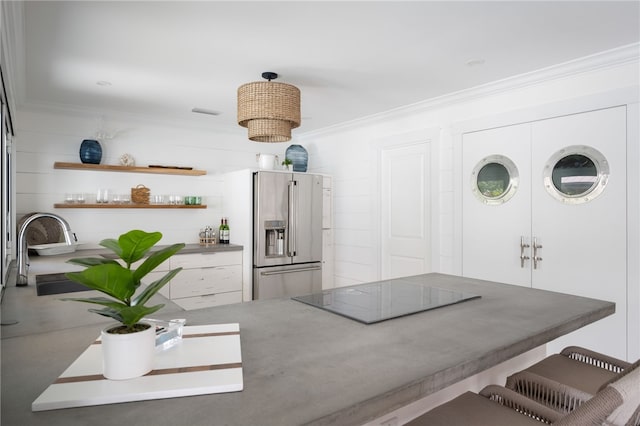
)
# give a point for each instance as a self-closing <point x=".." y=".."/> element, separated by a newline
<point x="287" y="162"/>
<point x="121" y="282"/>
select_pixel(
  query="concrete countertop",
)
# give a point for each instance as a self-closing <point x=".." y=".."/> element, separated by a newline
<point x="188" y="249"/>
<point x="197" y="248"/>
<point x="303" y="365"/>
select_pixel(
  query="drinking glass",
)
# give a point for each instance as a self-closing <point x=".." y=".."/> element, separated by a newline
<point x="103" y="195"/>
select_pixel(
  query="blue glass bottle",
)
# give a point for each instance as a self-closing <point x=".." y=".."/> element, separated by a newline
<point x="90" y="151"/>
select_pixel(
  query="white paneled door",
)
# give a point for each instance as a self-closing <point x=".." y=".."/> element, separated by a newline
<point x="405" y="210"/>
<point x="564" y="227"/>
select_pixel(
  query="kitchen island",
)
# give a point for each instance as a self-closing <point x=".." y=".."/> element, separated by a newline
<point x="301" y="365"/>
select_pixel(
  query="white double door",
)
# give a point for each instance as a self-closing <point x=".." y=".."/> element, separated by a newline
<point x="581" y="245"/>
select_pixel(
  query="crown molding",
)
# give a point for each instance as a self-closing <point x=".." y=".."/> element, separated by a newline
<point x="608" y="59"/>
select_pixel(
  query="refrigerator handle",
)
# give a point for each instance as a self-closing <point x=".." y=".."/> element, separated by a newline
<point x="293" y="220"/>
<point x="291" y="271"/>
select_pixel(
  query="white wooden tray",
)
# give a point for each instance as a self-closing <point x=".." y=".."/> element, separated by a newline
<point x="207" y="360"/>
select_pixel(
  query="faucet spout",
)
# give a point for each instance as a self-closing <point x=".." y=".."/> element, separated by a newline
<point x="22" y="254"/>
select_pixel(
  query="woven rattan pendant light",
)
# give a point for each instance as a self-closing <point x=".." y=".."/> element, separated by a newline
<point x="269" y="110"/>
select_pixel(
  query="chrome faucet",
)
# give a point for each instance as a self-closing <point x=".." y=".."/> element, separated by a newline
<point x="22" y="255"/>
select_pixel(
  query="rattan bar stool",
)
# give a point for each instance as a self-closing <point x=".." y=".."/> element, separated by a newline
<point x="617" y="404"/>
<point x="493" y="406"/>
<point x="578" y="372"/>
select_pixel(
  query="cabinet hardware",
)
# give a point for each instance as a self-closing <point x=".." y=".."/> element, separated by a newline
<point x="293" y="220"/>
<point x="523" y="247"/>
<point x="536" y="258"/>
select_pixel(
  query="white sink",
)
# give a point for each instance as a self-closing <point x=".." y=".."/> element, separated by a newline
<point x="54" y="248"/>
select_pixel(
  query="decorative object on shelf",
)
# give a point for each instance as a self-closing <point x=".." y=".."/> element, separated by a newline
<point x="90" y="151"/>
<point x="127" y="160"/>
<point x="269" y="110"/>
<point x="207" y="236"/>
<point x="192" y="200"/>
<point x="79" y="198"/>
<point x="298" y="156"/>
<point x="266" y="161"/>
<point x="223" y="231"/>
<point x="287" y="164"/>
<point x="140" y="194"/>
<point x="128" y="348"/>
<point x="103" y="195"/>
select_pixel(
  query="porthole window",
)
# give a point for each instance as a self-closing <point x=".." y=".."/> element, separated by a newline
<point x="576" y="174"/>
<point x="494" y="180"/>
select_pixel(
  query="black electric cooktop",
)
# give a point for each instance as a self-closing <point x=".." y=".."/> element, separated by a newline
<point x="383" y="300"/>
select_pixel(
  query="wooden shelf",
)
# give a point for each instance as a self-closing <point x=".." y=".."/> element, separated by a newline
<point x="127" y="169"/>
<point x="127" y="206"/>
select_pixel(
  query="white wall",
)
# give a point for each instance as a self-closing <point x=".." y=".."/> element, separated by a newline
<point x="345" y="151"/>
<point x="43" y="138"/>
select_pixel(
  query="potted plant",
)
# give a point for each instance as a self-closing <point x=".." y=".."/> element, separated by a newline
<point x="287" y="164"/>
<point x="128" y="347"/>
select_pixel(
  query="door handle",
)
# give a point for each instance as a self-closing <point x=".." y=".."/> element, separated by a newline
<point x="523" y="247"/>
<point x="291" y="271"/>
<point x="293" y="220"/>
<point x="536" y="258"/>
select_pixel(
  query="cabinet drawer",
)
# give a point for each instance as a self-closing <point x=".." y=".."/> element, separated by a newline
<point x="156" y="275"/>
<point x="197" y="282"/>
<point x="200" y="260"/>
<point x="207" y="301"/>
<point x="164" y="266"/>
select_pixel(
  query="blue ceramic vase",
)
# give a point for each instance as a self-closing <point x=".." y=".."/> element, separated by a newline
<point x="90" y="151"/>
<point x="298" y="156"/>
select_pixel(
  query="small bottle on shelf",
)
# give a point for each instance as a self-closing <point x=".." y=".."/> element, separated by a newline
<point x="226" y="231"/>
<point x="221" y="232"/>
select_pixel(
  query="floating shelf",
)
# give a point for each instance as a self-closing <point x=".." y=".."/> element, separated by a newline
<point x="127" y="206"/>
<point x="128" y="169"/>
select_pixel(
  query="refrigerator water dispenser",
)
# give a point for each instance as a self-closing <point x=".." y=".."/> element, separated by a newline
<point x="274" y="237"/>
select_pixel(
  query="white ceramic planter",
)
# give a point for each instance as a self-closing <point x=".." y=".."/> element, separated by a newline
<point x="126" y="356"/>
<point x="267" y="161"/>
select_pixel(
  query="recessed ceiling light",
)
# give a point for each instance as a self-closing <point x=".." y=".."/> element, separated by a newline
<point x="475" y="62"/>
<point x="205" y="111"/>
<point x="103" y="83"/>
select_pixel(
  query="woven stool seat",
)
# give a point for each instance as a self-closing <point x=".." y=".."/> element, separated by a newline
<point x="470" y="409"/>
<point x="616" y="404"/>
<point x="577" y="374"/>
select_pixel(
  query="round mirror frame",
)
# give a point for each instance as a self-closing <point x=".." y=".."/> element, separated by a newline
<point x="514" y="179"/>
<point x="602" y="174"/>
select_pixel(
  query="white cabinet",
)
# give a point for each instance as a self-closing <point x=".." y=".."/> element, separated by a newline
<point x="327" y="205"/>
<point x="327" y="234"/>
<point x="327" y="259"/>
<point x="207" y="279"/>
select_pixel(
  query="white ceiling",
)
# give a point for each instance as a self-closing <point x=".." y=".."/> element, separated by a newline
<point x="349" y="59"/>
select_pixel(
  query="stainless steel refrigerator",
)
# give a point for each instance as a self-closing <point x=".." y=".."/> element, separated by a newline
<point x="287" y="234"/>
